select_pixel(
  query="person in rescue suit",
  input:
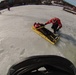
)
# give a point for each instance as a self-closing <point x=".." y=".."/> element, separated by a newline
<point x="56" y="24"/>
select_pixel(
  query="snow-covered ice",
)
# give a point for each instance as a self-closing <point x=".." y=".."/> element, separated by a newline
<point x="18" y="41"/>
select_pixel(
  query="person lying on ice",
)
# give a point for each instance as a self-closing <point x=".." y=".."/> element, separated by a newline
<point x="56" y="24"/>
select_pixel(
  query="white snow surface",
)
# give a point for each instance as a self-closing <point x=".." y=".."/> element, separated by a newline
<point x="18" y="41"/>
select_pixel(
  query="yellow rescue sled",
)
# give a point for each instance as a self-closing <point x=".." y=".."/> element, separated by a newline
<point x="46" y="34"/>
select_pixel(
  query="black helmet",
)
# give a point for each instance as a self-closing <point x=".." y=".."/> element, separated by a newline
<point x="43" y="65"/>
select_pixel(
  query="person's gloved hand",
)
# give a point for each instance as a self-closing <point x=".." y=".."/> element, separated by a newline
<point x="45" y="24"/>
<point x="58" y="29"/>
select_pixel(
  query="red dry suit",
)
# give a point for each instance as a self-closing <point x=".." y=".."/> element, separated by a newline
<point x="53" y="20"/>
